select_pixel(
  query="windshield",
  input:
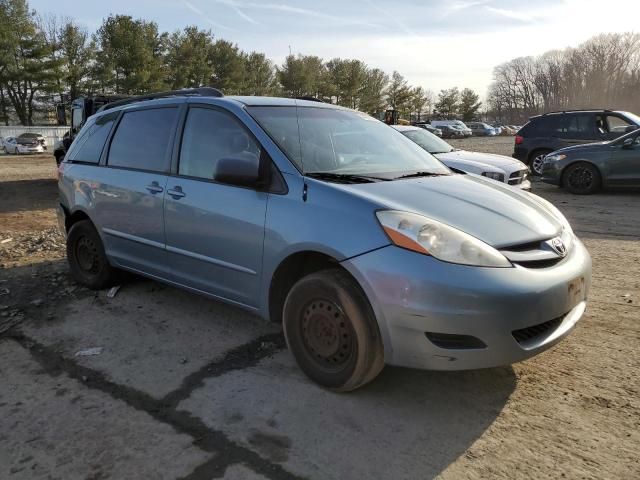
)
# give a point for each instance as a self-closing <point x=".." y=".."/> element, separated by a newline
<point x="633" y="117"/>
<point x="327" y="140"/>
<point x="428" y="141"/>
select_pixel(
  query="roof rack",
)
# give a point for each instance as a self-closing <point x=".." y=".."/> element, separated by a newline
<point x="200" y="92"/>
<point x="579" y="110"/>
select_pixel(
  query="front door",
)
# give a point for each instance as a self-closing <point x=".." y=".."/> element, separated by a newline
<point x="624" y="165"/>
<point x="214" y="231"/>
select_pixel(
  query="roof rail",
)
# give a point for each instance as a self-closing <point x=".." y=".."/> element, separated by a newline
<point x="309" y="98"/>
<point x="579" y="110"/>
<point x="201" y="92"/>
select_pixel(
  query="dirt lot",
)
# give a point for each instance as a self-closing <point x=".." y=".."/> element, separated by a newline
<point x="184" y="387"/>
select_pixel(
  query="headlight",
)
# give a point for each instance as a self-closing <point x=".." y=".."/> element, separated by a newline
<point x="554" y="158"/>
<point x="430" y="237"/>
<point x="494" y="176"/>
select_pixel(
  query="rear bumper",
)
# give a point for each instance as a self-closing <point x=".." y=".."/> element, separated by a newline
<point x="414" y="295"/>
<point x="521" y="154"/>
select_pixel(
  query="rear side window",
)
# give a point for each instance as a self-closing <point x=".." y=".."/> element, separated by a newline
<point x="210" y="135"/>
<point x="576" y="124"/>
<point x="89" y="144"/>
<point x="142" y="140"/>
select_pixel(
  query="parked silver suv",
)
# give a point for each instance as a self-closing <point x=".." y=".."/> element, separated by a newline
<point x="365" y="246"/>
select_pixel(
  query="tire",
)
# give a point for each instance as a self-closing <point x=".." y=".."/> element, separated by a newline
<point x="332" y="332"/>
<point x="582" y="178"/>
<point x="536" y="159"/>
<point x="87" y="260"/>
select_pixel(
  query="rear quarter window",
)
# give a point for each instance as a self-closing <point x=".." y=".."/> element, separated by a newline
<point x="87" y="147"/>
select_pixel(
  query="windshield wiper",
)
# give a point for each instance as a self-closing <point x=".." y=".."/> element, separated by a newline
<point x="421" y="174"/>
<point x="344" y="177"/>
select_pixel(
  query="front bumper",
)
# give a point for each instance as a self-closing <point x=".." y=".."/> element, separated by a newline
<point x="25" y="150"/>
<point x="414" y="294"/>
<point x="552" y="172"/>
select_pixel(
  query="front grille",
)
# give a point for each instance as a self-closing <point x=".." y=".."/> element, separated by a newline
<point x="540" y="263"/>
<point x="537" y="332"/>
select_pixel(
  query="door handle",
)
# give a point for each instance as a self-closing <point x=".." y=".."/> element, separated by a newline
<point x="176" y="193"/>
<point x="154" y="188"/>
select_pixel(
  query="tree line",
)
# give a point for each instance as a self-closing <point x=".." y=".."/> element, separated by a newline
<point x="45" y="60"/>
<point x="603" y="72"/>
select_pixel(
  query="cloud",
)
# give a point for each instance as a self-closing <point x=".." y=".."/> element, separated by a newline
<point x="234" y="6"/>
<point x="201" y="14"/>
<point x="460" y="6"/>
<point x="523" y="17"/>
<point x="285" y="8"/>
<point x="394" y="18"/>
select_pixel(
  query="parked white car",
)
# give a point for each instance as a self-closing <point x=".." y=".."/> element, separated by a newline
<point x="21" y="145"/>
<point x="497" y="167"/>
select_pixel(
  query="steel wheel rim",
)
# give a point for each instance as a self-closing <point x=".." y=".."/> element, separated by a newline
<point x="327" y="335"/>
<point x="88" y="256"/>
<point x="537" y="164"/>
<point x="581" y="178"/>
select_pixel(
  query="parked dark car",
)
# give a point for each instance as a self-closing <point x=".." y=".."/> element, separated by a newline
<point x="449" y="132"/>
<point x="584" y="169"/>
<point x="553" y="131"/>
<point x="481" y="129"/>
<point x="430" y="128"/>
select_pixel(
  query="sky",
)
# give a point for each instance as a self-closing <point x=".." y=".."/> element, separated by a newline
<point x="434" y="43"/>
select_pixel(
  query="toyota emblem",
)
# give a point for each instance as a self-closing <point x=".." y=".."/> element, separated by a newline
<point x="558" y="246"/>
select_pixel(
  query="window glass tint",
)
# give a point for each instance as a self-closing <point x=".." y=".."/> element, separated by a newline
<point x="142" y="140"/>
<point x="210" y="135"/>
<point x="88" y="146"/>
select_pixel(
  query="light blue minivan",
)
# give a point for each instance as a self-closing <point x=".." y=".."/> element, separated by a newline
<point x="365" y="246"/>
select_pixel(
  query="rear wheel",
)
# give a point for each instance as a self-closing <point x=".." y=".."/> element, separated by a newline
<point x="536" y="160"/>
<point x="332" y="332"/>
<point x="87" y="260"/>
<point x="582" y="179"/>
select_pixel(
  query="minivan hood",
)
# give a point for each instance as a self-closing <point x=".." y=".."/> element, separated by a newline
<point x="499" y="161"/>
<point x="495" y="213"/>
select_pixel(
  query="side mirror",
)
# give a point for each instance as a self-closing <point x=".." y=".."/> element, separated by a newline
<point x="628" y="142"/>
<point x="242" y="170"/>
<point x="630" y="128"/>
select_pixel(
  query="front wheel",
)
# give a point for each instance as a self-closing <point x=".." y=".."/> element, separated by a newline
<point x="582" y="179"/>
<point x="332" y="332"/>
<point x="87" y="259"/>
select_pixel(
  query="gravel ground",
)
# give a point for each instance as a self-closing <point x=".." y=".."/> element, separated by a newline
<point x="158" y="383"/>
